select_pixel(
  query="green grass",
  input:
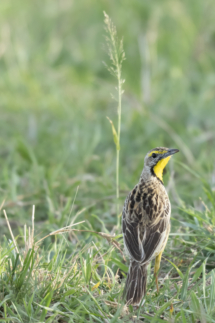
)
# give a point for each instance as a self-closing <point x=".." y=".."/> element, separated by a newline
<point x="57" y="153"/>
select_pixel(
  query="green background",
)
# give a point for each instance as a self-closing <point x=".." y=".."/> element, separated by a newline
<point x="55" y="96"/>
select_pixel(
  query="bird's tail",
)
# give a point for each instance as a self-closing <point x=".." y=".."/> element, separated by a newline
<point x="135" y="286"/>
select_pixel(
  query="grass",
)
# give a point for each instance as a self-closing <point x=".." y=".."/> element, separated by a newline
<point x="57" y="153"/>
<point x="117" y="56"/>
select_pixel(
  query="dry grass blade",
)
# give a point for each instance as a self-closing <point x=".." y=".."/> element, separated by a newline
<point x="59" y="231"/>
<point x="32" y="233"/>
<point x="12" y="236"/>
<point x="1" y="206"/>
<point x="29" y="238"/>
<point x="108" y="237"/>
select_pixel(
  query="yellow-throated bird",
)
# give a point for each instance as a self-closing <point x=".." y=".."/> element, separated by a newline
<point x="146" y="223"/>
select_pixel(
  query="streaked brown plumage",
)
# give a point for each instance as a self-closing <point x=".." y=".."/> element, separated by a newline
<point x="146" y="223"/>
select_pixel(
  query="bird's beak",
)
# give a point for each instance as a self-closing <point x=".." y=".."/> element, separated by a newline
<point x="170" y="152"/>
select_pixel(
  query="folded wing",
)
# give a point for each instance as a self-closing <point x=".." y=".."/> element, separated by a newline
<point x="144" y="242"/>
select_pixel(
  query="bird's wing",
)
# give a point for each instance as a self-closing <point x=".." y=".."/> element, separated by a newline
<point x="155" y="236"/>
<point x="143" y="240"/>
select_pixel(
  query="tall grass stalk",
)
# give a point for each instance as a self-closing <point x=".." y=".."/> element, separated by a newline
<point x="117" y="56"/>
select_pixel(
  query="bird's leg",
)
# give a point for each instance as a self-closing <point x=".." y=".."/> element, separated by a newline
<point x="157" y="266"/>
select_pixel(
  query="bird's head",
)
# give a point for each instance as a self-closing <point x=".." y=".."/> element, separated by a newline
<point x="157" y="159"/>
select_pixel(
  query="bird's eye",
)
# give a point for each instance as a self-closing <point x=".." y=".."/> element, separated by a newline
<point x="154" y="155"/>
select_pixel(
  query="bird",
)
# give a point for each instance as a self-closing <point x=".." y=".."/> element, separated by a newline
<point x="146" y="224"/>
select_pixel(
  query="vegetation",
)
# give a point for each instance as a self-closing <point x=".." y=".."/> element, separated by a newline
<point x="57" y="153"/>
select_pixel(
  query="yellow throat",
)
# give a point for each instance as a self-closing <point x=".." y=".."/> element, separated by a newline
<point x="159" y="167"/>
